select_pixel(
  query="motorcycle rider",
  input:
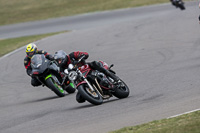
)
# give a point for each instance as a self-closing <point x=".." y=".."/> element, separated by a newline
<point x="31" y="49"/>
<point x="64" y="60"/>
<point x="175" y="3"/>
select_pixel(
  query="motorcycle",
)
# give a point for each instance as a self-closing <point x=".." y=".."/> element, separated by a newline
<point x="47" y="72"/>
<point x="94" y="86"/>
<point x="178" y="4"/>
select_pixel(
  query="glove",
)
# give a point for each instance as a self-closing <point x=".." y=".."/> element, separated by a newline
<point x="83" y="62"/>
<point x="50" y="57"/>
<point x="29" y="72"/>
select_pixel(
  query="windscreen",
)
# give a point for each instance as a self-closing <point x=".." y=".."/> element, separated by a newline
<point x="36" y="60"/>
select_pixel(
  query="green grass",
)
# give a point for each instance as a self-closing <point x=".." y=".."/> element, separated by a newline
<point x="15" y="11"/>
<point x="188" y="123"/>
<point x="8" y="45"/>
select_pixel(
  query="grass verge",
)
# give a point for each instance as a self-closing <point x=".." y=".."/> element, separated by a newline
<point x="15" y="11"/>
<point x="8" y="45"/>
<point x="188" y="123"/>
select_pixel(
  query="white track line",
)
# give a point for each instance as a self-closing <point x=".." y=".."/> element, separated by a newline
<point x="183" y="113"/>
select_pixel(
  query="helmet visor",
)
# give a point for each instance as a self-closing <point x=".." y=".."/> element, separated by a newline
<point x="30" y="54"/>
<point x="59" y="61"/>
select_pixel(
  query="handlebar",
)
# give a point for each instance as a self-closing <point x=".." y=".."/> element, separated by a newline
<point x="79" y="61"/>
<point x="82" y="57"/>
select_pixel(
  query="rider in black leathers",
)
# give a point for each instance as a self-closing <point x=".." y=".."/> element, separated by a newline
<point x="64" y="60"/>
<point x="31" y="49"/>
<point x="176" y="3"/>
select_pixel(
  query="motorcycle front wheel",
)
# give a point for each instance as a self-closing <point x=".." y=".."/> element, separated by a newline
<point x="55" y="87"/>
<point x="91" y="96"/>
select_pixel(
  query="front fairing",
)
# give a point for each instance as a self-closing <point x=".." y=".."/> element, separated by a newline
<point x="39" y="63"/>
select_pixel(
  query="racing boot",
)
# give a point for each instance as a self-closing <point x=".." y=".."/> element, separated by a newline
<point x="99" y="67"/>
<point x="113" y="76"/>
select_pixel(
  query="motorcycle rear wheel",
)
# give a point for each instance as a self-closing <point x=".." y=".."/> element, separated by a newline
<point x="55" y="87"/>
<point x="92" y="97"/>
<point x="121" y="92"/>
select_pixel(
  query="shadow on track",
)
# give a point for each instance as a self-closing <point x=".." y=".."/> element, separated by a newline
<point x="89" y="105"/>
<point x="42" y="99"/>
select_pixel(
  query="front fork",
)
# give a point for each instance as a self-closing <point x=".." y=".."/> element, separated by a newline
<point x="82" y="76"/>
<point x="54" y="78"/>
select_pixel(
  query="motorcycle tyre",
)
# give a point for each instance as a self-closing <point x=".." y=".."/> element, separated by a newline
<point x="84" y="94"/>
<point x="51" y="85"/>
<point x="79" y="98"/>
<point x="121" y="93"/>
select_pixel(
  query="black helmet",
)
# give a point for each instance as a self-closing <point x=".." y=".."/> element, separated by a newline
<point x="60" y="57"/>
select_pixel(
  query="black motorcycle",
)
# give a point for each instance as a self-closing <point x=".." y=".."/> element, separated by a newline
<point x="47" y="72"/>
<point x="178" y="4"/>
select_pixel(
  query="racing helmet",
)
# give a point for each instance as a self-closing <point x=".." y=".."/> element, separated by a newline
<point x="31" y="49"/>
<point x="60" y="57"/>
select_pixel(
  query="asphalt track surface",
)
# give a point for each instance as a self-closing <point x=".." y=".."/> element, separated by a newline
<point x="156" y="51"/>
